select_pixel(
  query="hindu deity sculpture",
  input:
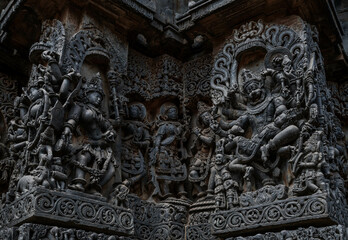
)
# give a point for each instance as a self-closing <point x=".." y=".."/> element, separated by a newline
<point x="272" y="127"/>
<point x="167" y="157"/>
<point x="135" y="142"/>
<point x="95" y="156"/>
<point x="203" y="144"/>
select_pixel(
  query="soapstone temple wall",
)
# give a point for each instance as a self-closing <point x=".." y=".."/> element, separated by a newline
<point x="186" y="119"/>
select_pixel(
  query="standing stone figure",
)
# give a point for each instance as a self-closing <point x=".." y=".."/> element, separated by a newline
<point x="135" y="143"/>
<point x="308" y="165"/>
<point x="96" y="155"/>
<point x="200" y="163"/>
<point x="168" y="154"/>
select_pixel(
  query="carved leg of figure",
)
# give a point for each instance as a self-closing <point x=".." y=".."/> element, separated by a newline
<point x="219" y="201"/>
<point x="231" y="198"/>
<point x="199" y="189"/>
<point x="312" y="187"/>
<point x="322" y="182"/>
<point x="182" y="192"/>
<point x="283" y="138"/>
<point x="265" y="153"/>
<point x="155" y="181"/>
<point x="79" y="181"/>
<point x="266" y="179"/>
<point x="247" y="178"/>
<point x="62" y="185"/>
<point x="235" y="166"/>
<point x="165" y="187"/>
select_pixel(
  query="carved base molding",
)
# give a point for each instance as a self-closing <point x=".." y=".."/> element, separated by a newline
<point x="336" y="232"/>
<point x="29" y="231"/>
<point x="68" y="209"/>
<point x="199" y="226"/>
<point x="296" y="211"/>
<point x="164" y="220"/>
<point x="72" y="215"/>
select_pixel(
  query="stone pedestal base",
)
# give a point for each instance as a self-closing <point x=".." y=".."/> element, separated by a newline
<point x="314" y="210"/>
<point x="199" y="226"/>
<point x="29" y="231"/>
<point x="335" y="232"/>
<point x="67" y="209"/>
<point x="164" y="220"/>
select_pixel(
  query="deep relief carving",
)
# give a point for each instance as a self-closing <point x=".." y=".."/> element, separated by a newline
<point x="168" y="154"/>
<point x="339" y="100"/>
<point x="8" y="89"/>
<point x="332" y="232"/>
<point x="135" y="145"/>
<point x="276" y="131"/>
<point x="275" y="213"/>
<point x="90" y="42"/>
<point x="38" y="231"/>
<point x="172" y="150"/>
<point x="52" y="39"/>
<point x="163" y="221"/>
<point x="81" y="210"/>
<point x="196" y="77"/>
<point x="63" y="140"/>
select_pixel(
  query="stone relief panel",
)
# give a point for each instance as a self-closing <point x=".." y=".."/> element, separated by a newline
<point x="167" y="149"/>
<point x="276" y="129"/>
<point x="8" y="106"/>
<point x="63" y="139"/>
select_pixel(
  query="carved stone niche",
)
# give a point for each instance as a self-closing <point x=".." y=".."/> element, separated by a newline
<point x="67" y="172"/>
<point x="277" y="136"/>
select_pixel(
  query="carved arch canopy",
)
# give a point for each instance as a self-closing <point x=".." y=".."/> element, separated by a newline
<point x="274" y="39"/>
<point x="90" y="42"/>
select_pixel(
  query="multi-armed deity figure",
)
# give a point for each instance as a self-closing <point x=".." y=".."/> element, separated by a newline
<point x="135" y="143"/>
<point x="40" y="116"/>
<point x="168" y="154"/>
<point x="96" y="155"/>
<point x="272" y="128"/>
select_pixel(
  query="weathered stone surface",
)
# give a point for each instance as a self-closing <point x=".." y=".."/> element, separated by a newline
<point x="281" y="214"/>
<point x="331" y="232"/>
<point x="144" y="119"/>
<point x="68" y="209"/>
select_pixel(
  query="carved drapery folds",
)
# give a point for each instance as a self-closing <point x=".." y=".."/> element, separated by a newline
<point x="169" y="149"/>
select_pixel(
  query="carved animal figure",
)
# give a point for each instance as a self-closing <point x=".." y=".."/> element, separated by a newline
<point x="38" y="176"/>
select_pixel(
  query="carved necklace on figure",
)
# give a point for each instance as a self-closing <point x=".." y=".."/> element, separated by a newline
<point x="260" y="107"/>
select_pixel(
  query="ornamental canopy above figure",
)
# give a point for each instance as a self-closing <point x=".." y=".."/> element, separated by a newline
<point x="241" y="140"/>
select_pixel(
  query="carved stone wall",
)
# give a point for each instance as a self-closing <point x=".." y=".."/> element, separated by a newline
<point x="245" y="139"/>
